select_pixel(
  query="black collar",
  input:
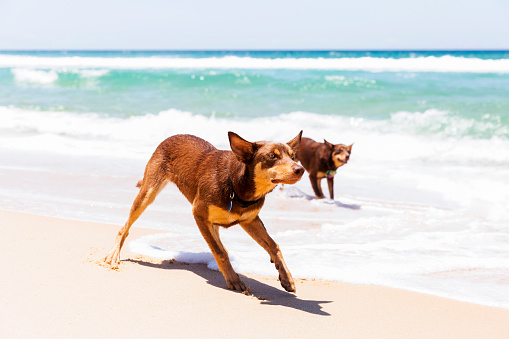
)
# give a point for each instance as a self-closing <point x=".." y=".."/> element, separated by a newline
<point x="234" y="197"/>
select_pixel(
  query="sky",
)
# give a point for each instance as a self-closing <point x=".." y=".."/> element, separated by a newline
<point x="254" y="25"/>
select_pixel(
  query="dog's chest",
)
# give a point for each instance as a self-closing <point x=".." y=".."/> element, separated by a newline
<point x="327" y="174"/>
<point x="222" y="217"/>
<point x="321" y="175"/>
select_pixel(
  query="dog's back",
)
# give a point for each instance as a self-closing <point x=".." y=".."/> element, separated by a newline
<point x="311" y="154"/>
<point x="180" y="157"/>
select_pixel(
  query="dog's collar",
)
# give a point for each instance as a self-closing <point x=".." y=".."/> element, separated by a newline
<point x="330" y="174"/>
<point x="240" y="202"/>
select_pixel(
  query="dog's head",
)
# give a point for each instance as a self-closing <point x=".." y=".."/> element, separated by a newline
<point x="340" y="153"/>
<point x="272" y="163"/>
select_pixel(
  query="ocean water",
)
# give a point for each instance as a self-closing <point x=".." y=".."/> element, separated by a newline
<point x="422" y="205"/>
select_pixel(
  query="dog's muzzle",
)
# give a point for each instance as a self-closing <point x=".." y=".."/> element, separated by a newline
<point x="298" y="170"/>
<point x="296" y="175"/>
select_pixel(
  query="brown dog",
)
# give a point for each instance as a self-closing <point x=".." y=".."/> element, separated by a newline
<point x="224" y="187"/>
<point x="322" y="160"/>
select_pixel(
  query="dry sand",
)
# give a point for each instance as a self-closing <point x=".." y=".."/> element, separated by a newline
<point x="52" y="286"/>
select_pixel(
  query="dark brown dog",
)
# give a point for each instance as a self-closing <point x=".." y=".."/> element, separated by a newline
<point x="322" y="160"/>
<point x="224" y="187"/>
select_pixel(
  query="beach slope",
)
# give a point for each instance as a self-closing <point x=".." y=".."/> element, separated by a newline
<point x="53" y="286"/>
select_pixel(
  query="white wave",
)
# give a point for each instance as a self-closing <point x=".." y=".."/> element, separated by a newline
<point x="34" y="76"/>
<point x="407" y="135"/>
<point x="434" y="121"/>
<point x="46" y="77"/>
<point x="420" y="64"/>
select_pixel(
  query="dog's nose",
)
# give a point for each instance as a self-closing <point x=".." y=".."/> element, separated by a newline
<point x="299" y="170"/>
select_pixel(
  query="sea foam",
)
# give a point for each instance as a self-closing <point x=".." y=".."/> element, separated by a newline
<point x="34" y="76"/>
<point x="432" y="135"/>
<point x="419" y="64"/>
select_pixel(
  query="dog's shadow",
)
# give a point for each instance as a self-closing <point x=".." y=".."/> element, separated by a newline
<point x="267" y="294"/>
<point x="294" y="192"/>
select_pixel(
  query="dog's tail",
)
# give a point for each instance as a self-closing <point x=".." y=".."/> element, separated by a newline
<point x="139" y="183"/>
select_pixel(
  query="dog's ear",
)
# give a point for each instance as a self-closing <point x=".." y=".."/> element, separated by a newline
<point x="349" y="148"/>
<point x="331" y="146"/>
<point x="295" y="142"/>
<point x="243" y="149"/>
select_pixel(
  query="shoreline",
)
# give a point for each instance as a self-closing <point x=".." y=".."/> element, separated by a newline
<point x="56" y="287"/>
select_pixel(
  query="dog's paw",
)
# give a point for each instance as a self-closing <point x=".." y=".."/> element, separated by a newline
<point x="288" y="285"/>
<point x="113" y="258"/>
<point x="236" y="285"/>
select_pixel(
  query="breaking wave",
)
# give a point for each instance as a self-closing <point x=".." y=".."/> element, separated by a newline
<point x="445" y="63"/>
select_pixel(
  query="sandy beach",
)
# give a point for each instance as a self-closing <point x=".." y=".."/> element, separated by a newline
<point x="53" y="286"/>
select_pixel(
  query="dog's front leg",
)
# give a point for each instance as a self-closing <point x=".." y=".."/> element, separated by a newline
<point x="211" y="234"/>
<point x="317" y="186"/>
<point x="257" y="231"/>
<point x="330" y="183"/>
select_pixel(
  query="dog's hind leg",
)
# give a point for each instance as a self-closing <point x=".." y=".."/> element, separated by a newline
<point x="151" y="185"/>
<point x="330" y="183"/>
<point x="210" y="233"/>
<point x="257" y="231"/>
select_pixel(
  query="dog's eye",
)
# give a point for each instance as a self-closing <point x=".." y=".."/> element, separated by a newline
<point x="272" y="155"/>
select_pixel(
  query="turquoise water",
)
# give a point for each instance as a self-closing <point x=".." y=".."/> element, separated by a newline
<point x="421" y="205"/>
<point x="246" y="93"/>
